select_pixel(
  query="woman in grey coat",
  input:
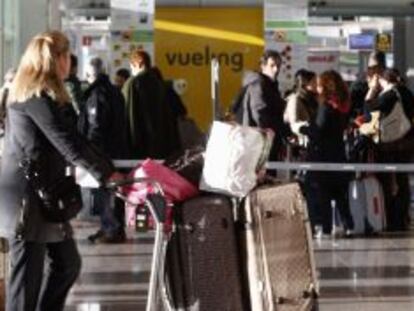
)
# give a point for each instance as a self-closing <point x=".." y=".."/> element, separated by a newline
<point x="37" y="129"/>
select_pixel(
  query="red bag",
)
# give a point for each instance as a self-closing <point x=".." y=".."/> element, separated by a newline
<point x="175" y="187"/>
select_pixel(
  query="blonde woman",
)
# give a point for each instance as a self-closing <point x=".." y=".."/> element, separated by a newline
<point x="37" y="129"/>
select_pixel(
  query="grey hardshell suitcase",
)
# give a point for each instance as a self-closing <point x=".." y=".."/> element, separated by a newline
<point x="278" y="250"/>
<point x="366" y="201"/>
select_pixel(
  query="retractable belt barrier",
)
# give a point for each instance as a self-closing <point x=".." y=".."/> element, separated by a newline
<point x="313" y="166"/>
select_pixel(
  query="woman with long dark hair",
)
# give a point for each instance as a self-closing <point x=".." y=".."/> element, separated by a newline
<point x="326" y="144"/>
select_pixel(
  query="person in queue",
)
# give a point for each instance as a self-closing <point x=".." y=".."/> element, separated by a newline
<point x="150" y="120"/>
<point x="386" y="91"/>
<point x="301" y="110"/>
<point x="259" y="102"/>
<point x="102" y="122"/>
<point x="326" y="144"/>
<point x="359" y="89"/>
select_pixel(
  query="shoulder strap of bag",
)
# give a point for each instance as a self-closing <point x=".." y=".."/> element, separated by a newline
<point x="246" y="117"/>
<point x="237" y="107"/>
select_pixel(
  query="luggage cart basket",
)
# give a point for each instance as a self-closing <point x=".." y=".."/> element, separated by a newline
<point x="157" y="205"/>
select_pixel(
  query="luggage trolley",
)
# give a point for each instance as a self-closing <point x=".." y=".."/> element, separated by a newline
<point x="157" y="206"/>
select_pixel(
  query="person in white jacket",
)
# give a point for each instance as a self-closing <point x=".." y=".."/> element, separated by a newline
<point x="302" y="104"/>
<point x="301" y="110"/>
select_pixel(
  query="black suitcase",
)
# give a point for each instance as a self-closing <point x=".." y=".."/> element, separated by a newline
<point x="203" y="267"/>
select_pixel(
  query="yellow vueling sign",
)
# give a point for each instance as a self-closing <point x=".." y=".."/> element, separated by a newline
<point x="186" y="39"/>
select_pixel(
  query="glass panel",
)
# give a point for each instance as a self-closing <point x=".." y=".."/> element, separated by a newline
<point x="9" y="19"/>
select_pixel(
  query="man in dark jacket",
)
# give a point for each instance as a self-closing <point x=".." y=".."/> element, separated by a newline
<point x="74" y="85"/>
<point x="151" y="123"/>
<point x="260" y="103"/>
<point x="102" y="121"/>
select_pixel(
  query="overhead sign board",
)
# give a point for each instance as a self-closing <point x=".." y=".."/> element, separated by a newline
<point x="362" y="41"/>
<point x="383" y="42"/>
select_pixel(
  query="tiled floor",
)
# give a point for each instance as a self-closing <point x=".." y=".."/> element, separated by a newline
<point x="367" y="274"/>
<point x="355" y="275"/>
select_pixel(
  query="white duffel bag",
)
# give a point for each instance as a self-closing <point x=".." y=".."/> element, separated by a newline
<point x="234" y="157"/>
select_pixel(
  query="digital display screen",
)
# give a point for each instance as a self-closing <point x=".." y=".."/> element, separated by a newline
<point x="365" y="41"/>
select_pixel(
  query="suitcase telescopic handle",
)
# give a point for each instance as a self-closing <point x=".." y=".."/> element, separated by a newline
<point x="113" y="185"/>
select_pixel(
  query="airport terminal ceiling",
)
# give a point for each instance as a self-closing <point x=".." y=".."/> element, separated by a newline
<point x="92" y="18"/>
<point x="321" y="3"/>
<point x="317" y="7"/>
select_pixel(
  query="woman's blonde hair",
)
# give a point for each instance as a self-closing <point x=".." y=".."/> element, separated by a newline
<point x="37" y="71"/>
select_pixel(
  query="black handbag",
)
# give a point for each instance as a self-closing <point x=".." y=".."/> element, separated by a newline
<point x="60" y="201"/>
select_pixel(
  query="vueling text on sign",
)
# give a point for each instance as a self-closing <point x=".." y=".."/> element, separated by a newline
<point x="204" y="57"/>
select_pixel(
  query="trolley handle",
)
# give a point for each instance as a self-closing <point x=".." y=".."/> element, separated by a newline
<point x="156" y="202"/>
<point x="113" y="185"/>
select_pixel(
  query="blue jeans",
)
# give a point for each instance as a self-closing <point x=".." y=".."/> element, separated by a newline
<point x="104" y="200"/>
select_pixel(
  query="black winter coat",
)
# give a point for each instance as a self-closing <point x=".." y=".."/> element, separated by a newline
<point x="358" y="90"/>
<point x="39" y="130"/>
<point x="260" y="105"/>
<point x="152" y="125"/>
<point x="326" y="135"/>
<point x="102" y="119"/>
<point x="326" y="142"/>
